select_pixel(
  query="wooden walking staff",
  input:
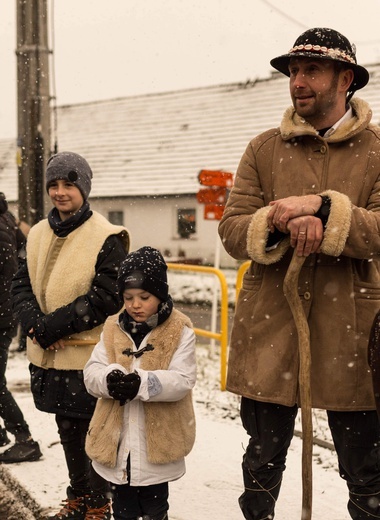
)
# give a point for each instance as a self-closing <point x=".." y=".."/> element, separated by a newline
<point x="290" y="288"/>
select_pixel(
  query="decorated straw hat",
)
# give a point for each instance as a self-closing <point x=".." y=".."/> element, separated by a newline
<point x="326" y="44"/>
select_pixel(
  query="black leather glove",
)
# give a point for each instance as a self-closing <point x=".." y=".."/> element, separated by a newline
<point x="123" y="387"/>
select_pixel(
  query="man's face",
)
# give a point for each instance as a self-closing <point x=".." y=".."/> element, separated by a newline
<point x="314" y="90"/>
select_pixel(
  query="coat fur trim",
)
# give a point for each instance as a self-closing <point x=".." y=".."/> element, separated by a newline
<point x="338" y="223"/>
<point x="334" y="239"/>
<point x="257" y="237"/>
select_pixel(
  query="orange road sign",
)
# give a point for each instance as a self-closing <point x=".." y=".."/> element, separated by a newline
<point x="215" y="178"/>
<point x="213" y="211"/>
<point x="212" y="195"/>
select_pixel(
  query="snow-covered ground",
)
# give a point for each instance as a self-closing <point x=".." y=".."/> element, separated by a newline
<point x="187" y="288"/>
<point x="212" y="484"/>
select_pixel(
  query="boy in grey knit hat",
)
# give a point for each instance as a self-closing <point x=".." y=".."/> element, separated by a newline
<point x="62" y="296"/>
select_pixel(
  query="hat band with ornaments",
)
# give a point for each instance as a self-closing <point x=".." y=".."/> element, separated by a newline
<point x="328" y="44"/>
<point x="335" y="54"/>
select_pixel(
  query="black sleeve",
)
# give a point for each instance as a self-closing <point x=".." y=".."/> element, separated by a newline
<point x="324" y="211"/>
<point x="275" y="237"/>
<point x="91" y="309"/>
<point x="24" y="303"/>
<point x="20" y="239"/>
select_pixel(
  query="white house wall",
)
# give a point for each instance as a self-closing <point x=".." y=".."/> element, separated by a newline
<point x="152" y="221"/>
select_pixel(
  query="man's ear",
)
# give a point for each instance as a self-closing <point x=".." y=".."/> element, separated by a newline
<point x="346" y="79"/>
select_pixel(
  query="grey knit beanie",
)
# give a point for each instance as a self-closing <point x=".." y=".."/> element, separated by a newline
<point x="71" y="167"/>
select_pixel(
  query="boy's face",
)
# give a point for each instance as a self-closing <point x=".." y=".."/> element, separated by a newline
<point x="66" y="197"/>
<point x="140" y="304"/>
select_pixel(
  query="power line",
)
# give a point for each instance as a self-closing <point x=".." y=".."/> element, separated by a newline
<point x="300" y="24"/>
<point x="285" y="15"/>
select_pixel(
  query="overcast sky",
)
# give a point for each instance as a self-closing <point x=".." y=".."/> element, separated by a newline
<point x="106" y="49"/>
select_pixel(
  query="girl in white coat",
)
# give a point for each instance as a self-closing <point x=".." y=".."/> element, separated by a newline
<point x="142" y="372"/>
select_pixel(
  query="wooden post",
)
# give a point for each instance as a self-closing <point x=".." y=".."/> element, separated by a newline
<point x="33" y="107"/>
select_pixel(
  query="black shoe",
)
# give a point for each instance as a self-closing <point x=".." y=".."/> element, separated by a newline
<point x="4" y="439"/>
<point x="21" y="452"/>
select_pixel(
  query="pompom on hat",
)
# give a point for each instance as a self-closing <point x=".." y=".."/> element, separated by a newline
<point x="144" y="269"/>
<point x="71" y="167"/>
<point x="326" y="44"/>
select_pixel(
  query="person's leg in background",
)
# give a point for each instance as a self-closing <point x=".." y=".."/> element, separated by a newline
<point x="356" y="437"/>
<point x="270" y="427"/>
<point x="82" y="499"/>
<point x="25" y="448"/>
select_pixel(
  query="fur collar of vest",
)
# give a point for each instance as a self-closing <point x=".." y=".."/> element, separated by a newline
<point x="169" y="426"/>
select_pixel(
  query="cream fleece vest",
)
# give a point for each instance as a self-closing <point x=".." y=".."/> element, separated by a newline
<point x="60" y="270"/>
<point x="169" y="426"/>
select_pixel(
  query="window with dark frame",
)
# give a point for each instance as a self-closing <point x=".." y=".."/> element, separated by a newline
<point x="116" y="217"/>
<point x="186" y="222"/>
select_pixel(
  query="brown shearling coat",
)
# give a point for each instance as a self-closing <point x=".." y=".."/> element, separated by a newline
<point x="339" y="287"/>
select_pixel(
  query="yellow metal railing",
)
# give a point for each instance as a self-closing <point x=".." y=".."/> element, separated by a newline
<point x="221" y="336"/>
<point x="239" y="277"/>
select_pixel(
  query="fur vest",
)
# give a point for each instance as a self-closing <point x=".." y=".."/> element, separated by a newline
<point x="169" y="426"/>
<point x="48" y="256"/>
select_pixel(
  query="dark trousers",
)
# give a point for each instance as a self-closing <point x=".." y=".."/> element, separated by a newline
<point x="83" y="479"/>
<point x="10" y="412"/>
<point x="130" y="503"/>
<point x="356" y="437"/>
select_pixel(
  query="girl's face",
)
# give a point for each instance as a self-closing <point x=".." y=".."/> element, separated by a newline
<point x="66" y="197"/>
<point x="140" y="304"/>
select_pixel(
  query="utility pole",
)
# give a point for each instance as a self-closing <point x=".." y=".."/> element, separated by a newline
<point x="33" y="107"/>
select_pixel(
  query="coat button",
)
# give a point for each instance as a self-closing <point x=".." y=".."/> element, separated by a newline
<point x="307" y="295"/>
<point x="323" y="149"/>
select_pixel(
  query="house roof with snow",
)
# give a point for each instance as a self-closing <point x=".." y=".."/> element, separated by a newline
<point x="156" y="144"/>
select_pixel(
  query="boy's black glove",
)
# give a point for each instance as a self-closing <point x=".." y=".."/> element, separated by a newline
<point x="123" y="387"/>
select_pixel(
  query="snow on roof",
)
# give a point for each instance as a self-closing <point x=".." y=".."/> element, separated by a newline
<point x="156" y="144"/>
